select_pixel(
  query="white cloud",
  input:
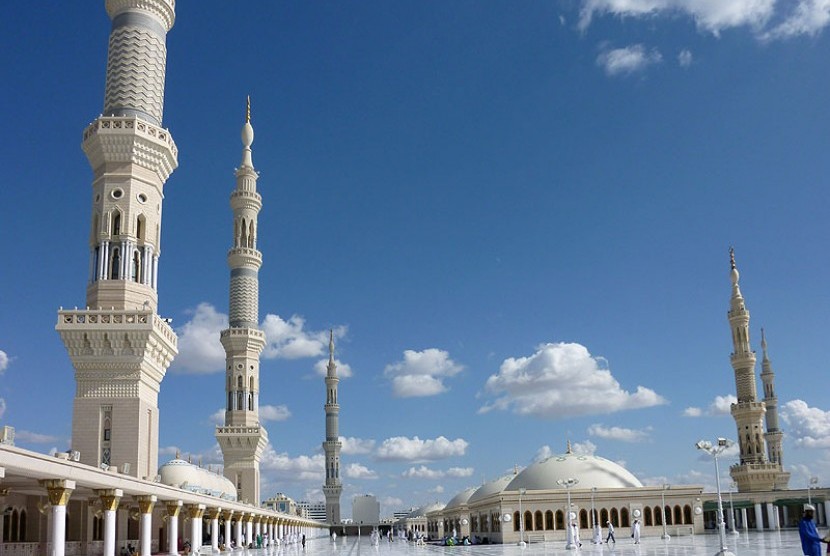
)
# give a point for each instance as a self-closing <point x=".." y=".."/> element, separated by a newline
<point x="358" y="471"/>
<point x="685" y="58"/>
<point x="437" y="490"/>
<point x="619" y="433"/>
<point x="218" y="417"/>
<point x="273" y="413"/>
<point x="560" y="381"/>
<point x="809" y="17"/>
<point x="34" y="437"/>
<point x="809" y="426"/>
<point x="391" y="502"/>
<point x="423" y="472"/>
<point x="543" y="453"/>
<point x="201" y="352"/>
<point x="421" y="373"/>
<point x="459" y="472"/>
<point x="4" y="361"/>
<point x="720" y="406"/>
<point x="401" y="448"/>
<point x="628" y="60"/>
<point x="300" y="468"/>
<point x="354" y="446"/>
<point x="586" y="448"/>
<point x="168" y="450"/>
<point x="343" y="369"/>
<point x="2" y="407"/>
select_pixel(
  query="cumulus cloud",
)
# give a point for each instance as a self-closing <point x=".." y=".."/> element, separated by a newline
<point x="421" y="373"/>
<point x="34" y="437"/>
<point x="685" y="58"/>
<point x="273" y="413"/>
<point x="354" y="446"/>
<point x="358" y="471"/>
<point x="720" y="406"/>
<point x="560" y="381"/>
<point x="301" y="468"/>
<point x="218" y="417"/>
<point x="401" y="448"/>
<point x="619" y="433"/>
<point x="343" y="369"/>
<point x="809" y="426"/>
<point x="586" y="448"/>
<point x="628" y="60"/>
<point x="424" y="472"/>
<point x="201" y="352"/>
<point x="809" y="17"/>
<point x="391" y="502"/>
<point x="543" y="453"/>
<point x="4" y="361"/>
<point x="438" y="489"/>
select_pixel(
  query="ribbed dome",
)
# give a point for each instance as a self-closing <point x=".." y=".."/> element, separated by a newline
<point x="590" y="471"/>
<point x="492" y="487"/>
<point x="461" y="498"/>
<point x="184" y="475"/>
<point x="424" y="510"/>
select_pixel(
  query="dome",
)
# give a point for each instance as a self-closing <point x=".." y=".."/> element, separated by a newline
<point x="424" y="510"/>
<point x="181" y="474"/>
<point x="493" y="487"/>
<point x="461" y="498"/>
<point x="591" y="471"/>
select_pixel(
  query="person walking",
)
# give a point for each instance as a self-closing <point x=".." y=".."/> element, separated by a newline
<point x="635" y="531"/>
<point x="810" y="541"/>
<point x="610" y="533"/>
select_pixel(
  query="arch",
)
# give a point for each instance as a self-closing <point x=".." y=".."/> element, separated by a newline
<point x="528" y="521"/>
<point x="603" y="516"/>
<point x="624" y="521"/>
<point x="559" y="522"/>
<point x="615" y="517"/>
<point x="687" y="515"/>
<point x="240" y="401"/>
<point x="14" y="526"/>
<point x="548" y="520"/>
<point x="537" y="521"/>
<point x="230" y="401"/>
<point x="140" y="227"/>
<point x="516" y="523"/>
<point x="6" y="530"/>
<point x="647" y="516"/>
<point x="583" y="519"/>
<point x="136" y="266"/>
<point x="250" y="401"/>
<point x="115" y="264"/>
<point x="678" y="515"/>
<point x="251" y="234"/>
<point x="22" y="534"/>
<point x="239" y="383"/>
<point x="243" y="240"/>
<point x="667" y="513"/>
<point x="115" y="230"/>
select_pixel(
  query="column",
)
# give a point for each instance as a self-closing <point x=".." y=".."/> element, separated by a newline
<point x="826" y="511"/>
<point x="772" y="517"/>
<point x="819" y="514"/>
<point x="249" y="530"/>
<point x="786" y="511"/>
<point x="258" y="527"/>
<point x="173" y="508"/>
<point x="196" y="511"/>
<point x="59" y="491"/>
<point x="239" y="529"/>
<point x="227" y="515"/>
<point x="145" y="533"/>
<point x="213" y="516"/>
<point x="759" y="517"/>
<point x="743" y="520"/>
<point x="109" y="505"/>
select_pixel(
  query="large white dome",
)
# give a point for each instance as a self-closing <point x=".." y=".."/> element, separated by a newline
<point x="492" y="487"/>
<point x="460" y="499"/>
<point x="590" y="471"/>
<point x="184" y="475"/>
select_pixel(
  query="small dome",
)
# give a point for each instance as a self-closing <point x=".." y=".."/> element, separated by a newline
<point x="493" y="487"/>
<point x="590" y="471"/>
<point x="424" y="510"/>
<point x="181" y="474"/>
<point x="460" y="499"/>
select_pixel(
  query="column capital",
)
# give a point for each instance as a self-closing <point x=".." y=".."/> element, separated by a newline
<point x="250" y="517"/>
<point x="146" y="503"/>
<point x="173" y="507"/>
<point x="242" y="516"/>
<point x="227" y="514"/>
<point x="110" y="498"/>
<point x="58" y="490"/>
<point x="213" y="513"/>
<point x="196" y="511"/>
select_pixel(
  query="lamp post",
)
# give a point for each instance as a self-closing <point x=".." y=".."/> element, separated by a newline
<point x="568" y="484"/>
<point x="522" y="492"/>
<point x="810" y="487"/>
<point x="665" y="535"/>
<point x="715" y="450"/>
<point x="735" y="531"/>
<point x="597" y="536"/>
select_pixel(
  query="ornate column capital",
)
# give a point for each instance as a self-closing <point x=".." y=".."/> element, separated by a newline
<point x="110" y="498"/>
<point x="213" y="513"/>
<point x="59" y="490"/>
<point x="173" y="507"/>
<point x="250" y="517"/>
<point x="196" y="511"/>
<point x="227" y="514"/>
<point x="146" y="503"/>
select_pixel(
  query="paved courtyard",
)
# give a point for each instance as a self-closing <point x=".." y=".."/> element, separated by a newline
<point x="756" y="544"/>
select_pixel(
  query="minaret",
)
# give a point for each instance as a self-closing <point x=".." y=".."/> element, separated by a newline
<point x="119" y="346"/>
<point x="774" y="436"/>
<point x="242" y="438"/>
<point x="332" y="445"/>
<point x="753" y="472"/>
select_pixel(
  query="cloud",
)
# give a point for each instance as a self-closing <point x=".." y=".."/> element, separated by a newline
<point x="424" y="472"/>
<point x="2" y="407"/>
<point x="4" y="361"/>
<point x="343" y="369"/>
<point x="628" y="60"/>
<point x="200" y="350"/>
<point x="586" y="448"/>
<point x="543" y="453"/>
<point x="709" y="15"/>
<point x="358" y="471"/>
<point x="218" y="417"/>
<point x="438" y="489"/>
<point x="168" y="450"/>
<point x="286" y="468"/>
<point x="354" y="446"/>
<point x="619" y="433"/>
<point x="720" y="406"/>
<point x="34" y="437"/>
<point x="562" y="381"/>
<point x="685" y="58"/>
<point x="391" y="502"/>
<point x="401" y="448"/>
<point x="809" y="17"/>
<point x="809" y="426"/>
<point x="421" y="373"/>
<point x="274" y="413"/>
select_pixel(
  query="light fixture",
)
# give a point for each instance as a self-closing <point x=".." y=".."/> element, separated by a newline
<point x="715" y="451"/>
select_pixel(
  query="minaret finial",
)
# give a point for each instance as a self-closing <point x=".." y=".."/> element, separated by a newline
<point x="732" y="257"/>
<point x="331" y="344"/>
<point x="569" y="451"/>
<point x="248" y="110"/>
<point x="764" y="343"/>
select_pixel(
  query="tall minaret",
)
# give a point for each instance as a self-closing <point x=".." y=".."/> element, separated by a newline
<point x="332" y="445"/>
<point x="753" y="473"/>
<point x="118" y="344"/>
<point x="242" y="438"/>
<point x="774" y="436"/>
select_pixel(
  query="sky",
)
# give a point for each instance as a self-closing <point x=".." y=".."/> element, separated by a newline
<point x="515" y="217"/>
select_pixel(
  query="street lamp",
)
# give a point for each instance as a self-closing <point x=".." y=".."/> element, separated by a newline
<point x="732" y="516"/>
<point x="810" y="487"/>
<point x="568" y="484"/>
<point x="665" y="535"/>
<point x="597" y="536"/>
<point x="522" y="492"/>
<point x="715" y="450"/>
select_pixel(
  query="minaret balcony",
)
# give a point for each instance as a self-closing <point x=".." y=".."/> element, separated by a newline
<point x="127" y="139"/>
<point x="250" y="200"/>
<point x="244" y="256"/>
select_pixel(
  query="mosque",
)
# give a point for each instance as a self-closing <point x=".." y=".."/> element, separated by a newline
<point x="535" y="504"/>
<point x="108" y="490"/>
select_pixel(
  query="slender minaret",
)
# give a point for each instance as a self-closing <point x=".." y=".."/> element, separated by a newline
<point x="753" y="473"/>
<point x="118" y="344"/>
<point x="242" y="438"/>
<point x="774" y="436"/>
<point x="332" y="444"/>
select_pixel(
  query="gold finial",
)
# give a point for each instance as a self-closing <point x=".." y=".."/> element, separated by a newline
<point x="568" y="451"/>
<point x="248" y="111"/>
<point x="178" y="454"/>
<point x="732" y="257"/>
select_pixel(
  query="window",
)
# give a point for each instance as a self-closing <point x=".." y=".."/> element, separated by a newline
<point x="116" y="224"/>
<point x="548" y="520"/>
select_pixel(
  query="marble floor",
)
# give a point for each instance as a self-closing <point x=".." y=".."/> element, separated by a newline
<point x="756" y="544"/>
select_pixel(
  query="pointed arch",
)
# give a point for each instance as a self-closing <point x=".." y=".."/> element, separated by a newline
<point x="667" y="513"/>
<point x="115" y="264"/>
<point x="243" y="240"/>
<point x="603" y="516"/>
<point x="678" y="515"/>
<point x="115" y="230"/>
<point x="15" y="522"/>
<point x="251" y="235"/>
<point x="615" y="517"/>
<point x="22" y="534"/>
<point x="140" y="227"/>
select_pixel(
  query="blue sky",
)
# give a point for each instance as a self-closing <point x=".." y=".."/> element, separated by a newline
<point x="515" y="215"/>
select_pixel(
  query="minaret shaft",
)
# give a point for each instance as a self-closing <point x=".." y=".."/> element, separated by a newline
<point x="333" y="486"/>
<point x="243" y="438"/>
<point x="119" y="346"/>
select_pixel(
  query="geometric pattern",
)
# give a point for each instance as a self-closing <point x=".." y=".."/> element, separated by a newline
<point x="135" y="72"/>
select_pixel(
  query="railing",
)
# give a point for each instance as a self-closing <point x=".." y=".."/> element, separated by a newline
<point x="94" y="317"/>
<point x="107" y="123"/>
